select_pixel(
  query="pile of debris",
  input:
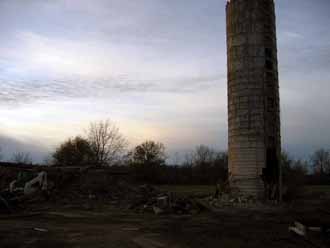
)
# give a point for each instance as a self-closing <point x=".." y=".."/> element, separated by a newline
<point x="97" y="188"/>
<point x="87" y="188"/>
<point x="25" y="188"/>
<point x="92" y="188"/>
<point x="7" y="174"/>
<point x="315" y="233"/>
<point x="227" y="197"/>
<point x="150" y="199"/>
<point x="232" y="200"/>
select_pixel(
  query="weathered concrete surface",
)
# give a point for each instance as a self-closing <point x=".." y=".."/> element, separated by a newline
<point x="253" y="98"/>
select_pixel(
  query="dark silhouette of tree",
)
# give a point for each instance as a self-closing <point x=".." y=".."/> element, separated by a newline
<point x="21" y="158"/>
<point x="202" y="161"/>
<point x="293" y="175"/>
<point x="106" y="142"/>
<point x="74" y="152"/>
<point x="209" y="166"/>
<point x="321" y="161"/>
<point x="188" y="159"/>
<point x="149" y="152"/>
<point x="286" y="160"/>
<point x="148" y="160"/>
<point x="220" y="167"/>
<point x="203" y="155"/>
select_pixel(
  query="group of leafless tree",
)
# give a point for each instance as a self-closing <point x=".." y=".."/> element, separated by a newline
<point x="320" y="161"/>
<point x="296" y="172"/>
<point x="201" y="166"/>
<point x="104" y="145"/>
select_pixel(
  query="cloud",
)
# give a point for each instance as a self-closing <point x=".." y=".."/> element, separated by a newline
<point x="43" y="67"/>
<point x="25" y="91"/>
<point x="37" y="54"/>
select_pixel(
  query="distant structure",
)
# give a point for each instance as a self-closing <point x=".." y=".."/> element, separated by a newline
<point x="253" y="98"/>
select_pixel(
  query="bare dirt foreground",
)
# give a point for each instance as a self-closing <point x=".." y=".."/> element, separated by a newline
<point x="101" y="208"/>
<point x="118" y="228"/>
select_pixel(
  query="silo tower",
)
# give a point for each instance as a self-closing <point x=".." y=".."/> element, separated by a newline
<point x="253" y="98"/>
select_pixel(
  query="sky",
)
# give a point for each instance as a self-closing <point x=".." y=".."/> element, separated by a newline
<point x="157" y="68"/>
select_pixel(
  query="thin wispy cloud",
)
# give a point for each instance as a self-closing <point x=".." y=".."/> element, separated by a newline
<point x="14" y="92"/>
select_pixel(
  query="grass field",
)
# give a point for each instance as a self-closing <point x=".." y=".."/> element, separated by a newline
<point x="206" y="190"/>
<point x="189" y="190"/>
<point x="317" y="189"/>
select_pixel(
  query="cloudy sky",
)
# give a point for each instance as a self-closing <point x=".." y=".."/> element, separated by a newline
<point x="155" y="67"/>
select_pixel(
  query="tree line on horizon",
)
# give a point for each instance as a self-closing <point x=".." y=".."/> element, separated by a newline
<point x="104" y="145"/>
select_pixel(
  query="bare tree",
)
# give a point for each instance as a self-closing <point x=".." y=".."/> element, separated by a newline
<point x="21" y="158"/>
<point x="203" y="155"/>
<point x="107" y="143"/>
<point x="321" y="161"/>
<point x="188" y="159"/>
<point x="208" y="165"/>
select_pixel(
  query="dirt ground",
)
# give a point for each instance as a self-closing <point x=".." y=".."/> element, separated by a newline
<point x="119" y="228"/>
<point x="70" y="223"/>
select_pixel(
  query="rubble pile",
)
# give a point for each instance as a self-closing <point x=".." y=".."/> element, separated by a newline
<point x="93" y="187"/>
<point x="6" y="176"/>
<point x="150" y="199"/>
<point x="88" y="188"/>
<point x="232" y="200"/>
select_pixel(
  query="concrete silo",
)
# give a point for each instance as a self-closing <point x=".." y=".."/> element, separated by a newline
<point x="253" y="98"/>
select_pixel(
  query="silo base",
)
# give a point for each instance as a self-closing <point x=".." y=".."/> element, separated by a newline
<point x="249" y="187"/>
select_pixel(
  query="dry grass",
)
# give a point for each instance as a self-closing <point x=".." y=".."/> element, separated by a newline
<point x="189" y="190"/>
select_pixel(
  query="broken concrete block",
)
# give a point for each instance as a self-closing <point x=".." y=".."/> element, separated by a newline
<point x="300" y="226"/>
<point x="315" y="229"/>
<point x="162" y="202"/>
<point x="157" y="210"/>
<point x="296" y="230"/>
